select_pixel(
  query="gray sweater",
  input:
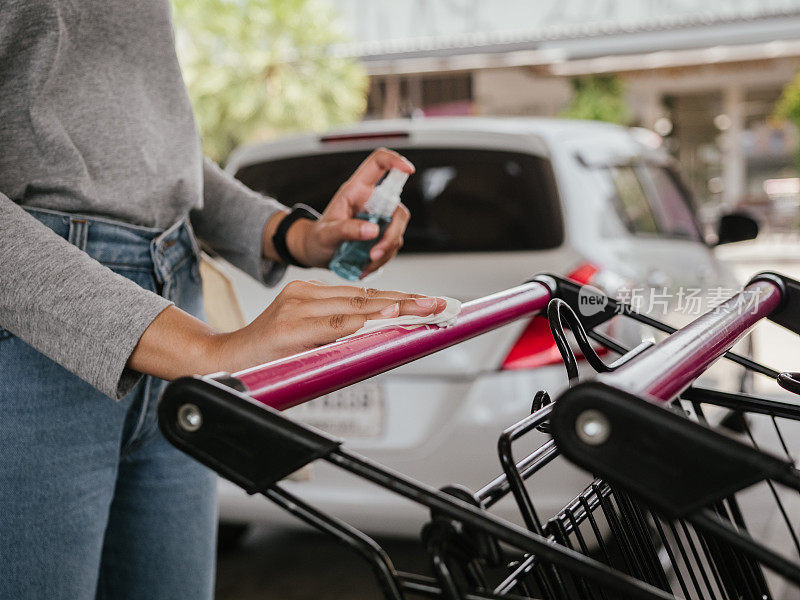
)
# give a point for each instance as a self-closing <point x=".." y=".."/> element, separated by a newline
<point x="95" y="119"/>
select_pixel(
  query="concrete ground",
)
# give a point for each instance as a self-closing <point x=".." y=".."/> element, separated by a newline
<point x="280" y="564"/>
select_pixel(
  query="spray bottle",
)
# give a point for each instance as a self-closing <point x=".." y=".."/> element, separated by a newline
<point x="352" y="256"/>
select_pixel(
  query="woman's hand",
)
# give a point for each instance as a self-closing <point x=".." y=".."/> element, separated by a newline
<point x="314" y="242"/>
<point x="304" y="315"/>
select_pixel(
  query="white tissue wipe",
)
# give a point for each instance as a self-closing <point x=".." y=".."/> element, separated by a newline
<point x="446" y="318"/>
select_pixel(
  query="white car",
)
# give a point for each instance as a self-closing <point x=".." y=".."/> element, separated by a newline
<point x="493" y="202"/>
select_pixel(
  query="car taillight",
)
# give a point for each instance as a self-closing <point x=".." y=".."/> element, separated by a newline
<point x="585" y="273"/>
<point x="536" y="346"/>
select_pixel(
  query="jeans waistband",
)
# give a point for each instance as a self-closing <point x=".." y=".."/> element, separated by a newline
<point x="119" y="244"/>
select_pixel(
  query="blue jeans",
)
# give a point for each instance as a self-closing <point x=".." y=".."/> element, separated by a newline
<point x="94" y="503"/>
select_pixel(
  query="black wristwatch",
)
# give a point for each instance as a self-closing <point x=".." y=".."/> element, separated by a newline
<point x="299" y="211"/>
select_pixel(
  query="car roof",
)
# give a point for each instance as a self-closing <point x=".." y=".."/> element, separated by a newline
<point x="550" y="131"/>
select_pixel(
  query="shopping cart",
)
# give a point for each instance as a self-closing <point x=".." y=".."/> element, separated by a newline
<point x="675" y="497"/>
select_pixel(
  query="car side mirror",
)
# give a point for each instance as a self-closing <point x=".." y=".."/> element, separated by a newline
<point x="736" y="227"/>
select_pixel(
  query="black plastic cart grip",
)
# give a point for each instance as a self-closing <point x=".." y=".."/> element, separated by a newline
<point x="245" y="441"/>
<point x="677" y="465"/>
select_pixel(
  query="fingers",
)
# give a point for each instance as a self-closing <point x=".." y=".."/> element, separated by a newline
<point x="308" y="289"/>
<point x="376" y="164"/>
<point x="307" y="299"/>
<point x="391" y="242"/>
<point x="373" y="308"/>
<point x="348" y="229"/>
<point x="350" y="305"/>
<point x="309" y="314"/>
<point x="326" y="328"/>
<point x="318" y="331"/>
<point x="356" y="194"/>
<point x="421" y="307"/>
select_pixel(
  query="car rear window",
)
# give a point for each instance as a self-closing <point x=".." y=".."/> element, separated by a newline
<point x="461" y="200"/>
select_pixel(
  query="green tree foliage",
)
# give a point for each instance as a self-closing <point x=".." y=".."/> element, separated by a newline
<point x="599" y="98"/>
<point x="788" y="107"/>
<point x="259" y="68"/>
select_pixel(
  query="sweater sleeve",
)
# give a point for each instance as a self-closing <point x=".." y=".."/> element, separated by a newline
<point x="232" y="222"/>
<point x="67" y="305"/>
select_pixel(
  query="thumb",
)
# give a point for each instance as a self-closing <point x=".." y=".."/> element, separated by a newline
<point x="350" y="229"/>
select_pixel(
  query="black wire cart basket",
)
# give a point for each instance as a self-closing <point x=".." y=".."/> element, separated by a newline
<point x="680" y="505"/>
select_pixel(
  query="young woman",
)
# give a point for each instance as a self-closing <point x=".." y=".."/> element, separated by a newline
<point x="102" y="190"/>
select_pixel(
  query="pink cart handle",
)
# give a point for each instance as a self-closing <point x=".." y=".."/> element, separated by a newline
<point x="664" y="370"/>
<point x="295" y="379"/>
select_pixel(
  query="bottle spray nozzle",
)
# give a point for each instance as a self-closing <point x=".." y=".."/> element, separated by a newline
<point x="386" y="195"/>
<point x="394" y="181"/>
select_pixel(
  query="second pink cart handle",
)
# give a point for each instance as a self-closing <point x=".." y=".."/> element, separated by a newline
<point x="667" y="368"/>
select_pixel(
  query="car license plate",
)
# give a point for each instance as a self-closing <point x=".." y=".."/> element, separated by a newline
<point x="354" y="412"/>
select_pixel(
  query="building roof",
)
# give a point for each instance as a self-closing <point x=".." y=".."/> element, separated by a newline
<point x="397" y="35"/>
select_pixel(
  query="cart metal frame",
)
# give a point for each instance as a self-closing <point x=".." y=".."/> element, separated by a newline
<point x="661" y="518"/>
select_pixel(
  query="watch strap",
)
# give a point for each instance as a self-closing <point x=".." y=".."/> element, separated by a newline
<point x="299" y="211"/>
